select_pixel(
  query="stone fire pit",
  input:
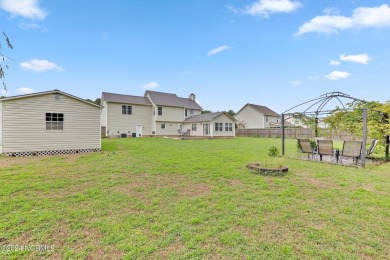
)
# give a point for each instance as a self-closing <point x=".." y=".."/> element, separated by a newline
<point x="266" y="170"/>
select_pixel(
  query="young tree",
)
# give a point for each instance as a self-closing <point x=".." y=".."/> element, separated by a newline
<point x="351" y="121"/>
<point x="3" y="58"/>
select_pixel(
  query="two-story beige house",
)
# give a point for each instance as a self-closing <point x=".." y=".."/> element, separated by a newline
<point x="256" y="116"/>
<point x="160" y="114"/>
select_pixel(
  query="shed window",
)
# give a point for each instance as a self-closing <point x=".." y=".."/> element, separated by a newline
<point x="159" y="111"/>
<point x="127" y="110"/>
<point x="218" y="127"/>
<point x="54" y="121"/>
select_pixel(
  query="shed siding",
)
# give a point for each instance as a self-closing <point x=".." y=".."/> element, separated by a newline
<point x="24" y="124"/>
<point x="1" y="126"/>
<point x="170" y="114"/>
<point x="117" y="122"/>
<point x="223" y="119"/>
<point x="251" y="117"/>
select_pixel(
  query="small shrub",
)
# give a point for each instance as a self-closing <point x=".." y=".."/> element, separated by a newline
<point x="273" y="151"/>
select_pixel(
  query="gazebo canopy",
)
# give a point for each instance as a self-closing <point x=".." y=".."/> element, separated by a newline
<point x="321" y="106"/>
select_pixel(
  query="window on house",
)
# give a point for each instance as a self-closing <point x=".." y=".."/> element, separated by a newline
<point x="191" y="111"/>
<point x="266" y="119"/>
<point x="218" y="127"/>
<point x="54" y="121"/>
<point x="228" y="127"/>
<point x="185" y="112"/>
<point x="193" y="127"/>
<point x="127" y="110"/>
<point x="159" y="111"/>
<point x="162" y="126"/>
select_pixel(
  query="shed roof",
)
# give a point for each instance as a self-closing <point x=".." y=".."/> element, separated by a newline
<point x="55" y="91"/>
<point x="119" y="98"/>
<point x="168" y="99"/>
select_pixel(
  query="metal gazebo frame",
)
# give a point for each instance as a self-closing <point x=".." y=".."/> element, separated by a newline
<point x="315" y="108"/>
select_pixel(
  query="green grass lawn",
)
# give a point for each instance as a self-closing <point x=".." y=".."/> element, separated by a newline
<point x="161" y="198"/>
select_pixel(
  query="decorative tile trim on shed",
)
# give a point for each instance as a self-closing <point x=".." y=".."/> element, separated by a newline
<point x="56" y="152"/>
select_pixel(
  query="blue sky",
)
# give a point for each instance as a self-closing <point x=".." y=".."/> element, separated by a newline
<point x="276" y="53"/>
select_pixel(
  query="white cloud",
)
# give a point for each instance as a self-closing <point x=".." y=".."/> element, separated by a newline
<point x="336" y="75"/>
<point x="362" y="17"/>
<point x="334" y="62"/>
<point x="360" y="58"/>
<point x="264" y="8"/>
<point x="3" y="92"/>
<point x="315" y="77"/>
<point x="23" y="91"/>
<point x="37" y="65"/>
<point x="331" y="11"/>
<point x="218" y="50"/>
<point x="25" y="8"/>
<point x="296" y="82"/>
<point x="150" y="85"/>
<point x="30" y="26"/>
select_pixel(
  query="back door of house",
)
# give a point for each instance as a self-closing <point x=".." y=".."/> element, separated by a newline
<point x="206" y="128"/>
<point x="138" y="130"/>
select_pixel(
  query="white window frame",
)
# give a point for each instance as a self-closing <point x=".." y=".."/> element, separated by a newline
<point x="228" y="127"/>
<point x="127" y="110"/>
<point x="54" y="121"/>
<point x="218" y="127"/>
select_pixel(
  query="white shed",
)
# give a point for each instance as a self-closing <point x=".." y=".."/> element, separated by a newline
<point x="51" y="122"/>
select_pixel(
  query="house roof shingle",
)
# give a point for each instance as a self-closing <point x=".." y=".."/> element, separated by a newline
<point x="119" y="98"/>
<point x="263" y="109"/>
<point x="167" y="99"/>
<point x="205" y="117"/>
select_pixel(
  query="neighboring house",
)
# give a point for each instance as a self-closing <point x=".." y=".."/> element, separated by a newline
<point x="298" y="122"/>
<point x="51" y="122"/>
<point x="155" y="114"/>
<point x="218" y="124"/>
<point x="255" y="116"/>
